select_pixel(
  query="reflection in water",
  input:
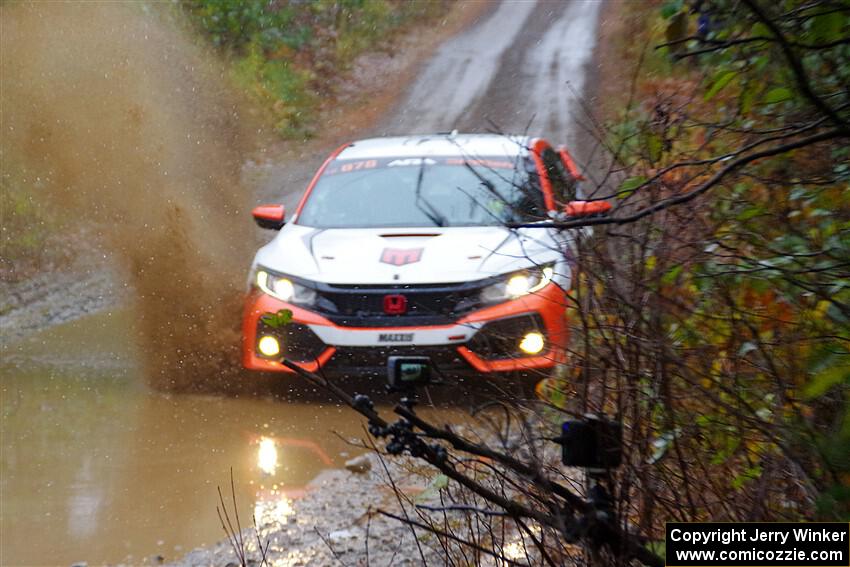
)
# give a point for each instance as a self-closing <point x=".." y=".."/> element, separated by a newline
<point x="273" y="510"/>
<point x="84" y="502"/>
<point x="267" y="456"/>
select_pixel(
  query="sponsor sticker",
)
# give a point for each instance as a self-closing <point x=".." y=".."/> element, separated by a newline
<point x="340" y="166"/>
<point x="395" y="338"/>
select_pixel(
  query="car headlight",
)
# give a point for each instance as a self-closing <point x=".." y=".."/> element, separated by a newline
<point x="284" y="288"/>
<point x="517" y="284"/>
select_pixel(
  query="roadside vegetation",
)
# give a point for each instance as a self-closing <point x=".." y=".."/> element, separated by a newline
<point x="290" y="55"/>
<point x="23" y="233"/>
<point x="711" y="311"/>
<point x="737" y="305"/>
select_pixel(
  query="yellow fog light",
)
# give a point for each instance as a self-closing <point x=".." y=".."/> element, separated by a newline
<point x="532" y="343"/>
<point x="268" y="346"/>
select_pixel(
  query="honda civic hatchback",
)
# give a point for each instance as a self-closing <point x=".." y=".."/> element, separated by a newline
<point x="405" y="246"/>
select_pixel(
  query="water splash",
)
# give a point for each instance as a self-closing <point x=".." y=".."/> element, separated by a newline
<point x="129" y="125"/>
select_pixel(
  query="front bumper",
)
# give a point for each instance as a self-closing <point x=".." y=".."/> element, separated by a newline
<point x="480" y="342"/>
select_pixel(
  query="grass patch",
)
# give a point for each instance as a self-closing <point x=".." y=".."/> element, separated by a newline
<point x="24" y="230"/>
<point x="290" y="56"/>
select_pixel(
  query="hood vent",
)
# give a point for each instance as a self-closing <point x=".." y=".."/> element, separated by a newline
<point x="410" y="235"/>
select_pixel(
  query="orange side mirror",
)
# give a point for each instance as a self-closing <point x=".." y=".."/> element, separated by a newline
<point x="270" y="216"/>
<point x="587" y="208"/>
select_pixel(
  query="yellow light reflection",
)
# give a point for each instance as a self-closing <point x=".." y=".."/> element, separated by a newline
<point x="267" y="456"/>
<point x="271" y="512"/>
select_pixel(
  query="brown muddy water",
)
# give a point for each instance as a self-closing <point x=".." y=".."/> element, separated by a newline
<point x="97" y="467"/>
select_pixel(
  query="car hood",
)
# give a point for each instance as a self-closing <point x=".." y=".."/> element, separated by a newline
<point x="406" y="256"/>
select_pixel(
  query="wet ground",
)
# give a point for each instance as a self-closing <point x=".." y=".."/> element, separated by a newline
<point x="97" y="467"/>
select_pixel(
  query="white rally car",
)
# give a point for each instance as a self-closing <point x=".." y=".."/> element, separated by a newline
<point x="402" y="246"/>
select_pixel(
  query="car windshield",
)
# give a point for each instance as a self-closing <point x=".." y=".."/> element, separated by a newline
<point x="421" y="192"/>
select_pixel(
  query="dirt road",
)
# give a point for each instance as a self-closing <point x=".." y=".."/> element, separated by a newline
<point x="520" y="70"/>
<point x="522" y="67"/>
<point x="105" y="468"/>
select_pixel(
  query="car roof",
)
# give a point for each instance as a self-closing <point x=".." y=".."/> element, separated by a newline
<point x="451" y="145"/>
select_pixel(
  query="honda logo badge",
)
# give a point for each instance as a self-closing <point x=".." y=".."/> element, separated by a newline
<point x="395" y="304"/>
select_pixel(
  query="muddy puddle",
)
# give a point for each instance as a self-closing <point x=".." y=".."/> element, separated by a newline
<point x="97" y="467"/>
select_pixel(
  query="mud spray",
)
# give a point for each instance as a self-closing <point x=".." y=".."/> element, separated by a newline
<point x="113" y="114"/>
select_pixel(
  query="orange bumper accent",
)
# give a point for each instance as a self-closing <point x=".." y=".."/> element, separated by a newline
<point x="257" y="305"/>
<point x="549" y="303"/>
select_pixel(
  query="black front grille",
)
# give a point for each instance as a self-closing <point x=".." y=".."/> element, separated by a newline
<point x="501" y="338"/>
<point x="363" y="306"/>
<point x="372" y="361"/>
<point x="298" y="342"/>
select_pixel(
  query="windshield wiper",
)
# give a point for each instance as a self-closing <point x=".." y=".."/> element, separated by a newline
<point x="433" y="215"/>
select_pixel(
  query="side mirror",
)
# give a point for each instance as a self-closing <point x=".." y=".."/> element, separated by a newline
<point x="269" y="216"/>
<point x="587" y="208"/>
<point x="570" y="163"/>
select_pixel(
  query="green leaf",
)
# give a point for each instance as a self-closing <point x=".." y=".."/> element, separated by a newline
<point x="760" y="30"/>
<point x="832" y="375"/>
<point x="732" y="444"/>
<point x="659" y="547"/>
<point x="759" y="63"/>
<point x="720" y="80"/>
<point x="827" y="27"/>
<point x="553" y="390"/>
<point x="670" y="9"/>
<point x="748" y="96"/>
<point x="748" y="474"/>
<point x="433" y="489"/>
<point x="440" y="481"/>
<point x="779" y="94"/>
<point x="671" y="275"/>
<point x="654" y="147"/>
<point x="750" y="212"/>
<point x="277" y="320"/>
<point x="628" y="186"/>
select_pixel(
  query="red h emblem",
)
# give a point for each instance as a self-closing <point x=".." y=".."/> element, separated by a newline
<point x="401" y="256"/>
<point x="395" y="304"/>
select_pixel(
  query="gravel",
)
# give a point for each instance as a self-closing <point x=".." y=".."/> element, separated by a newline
<point x="336" y="522"/>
